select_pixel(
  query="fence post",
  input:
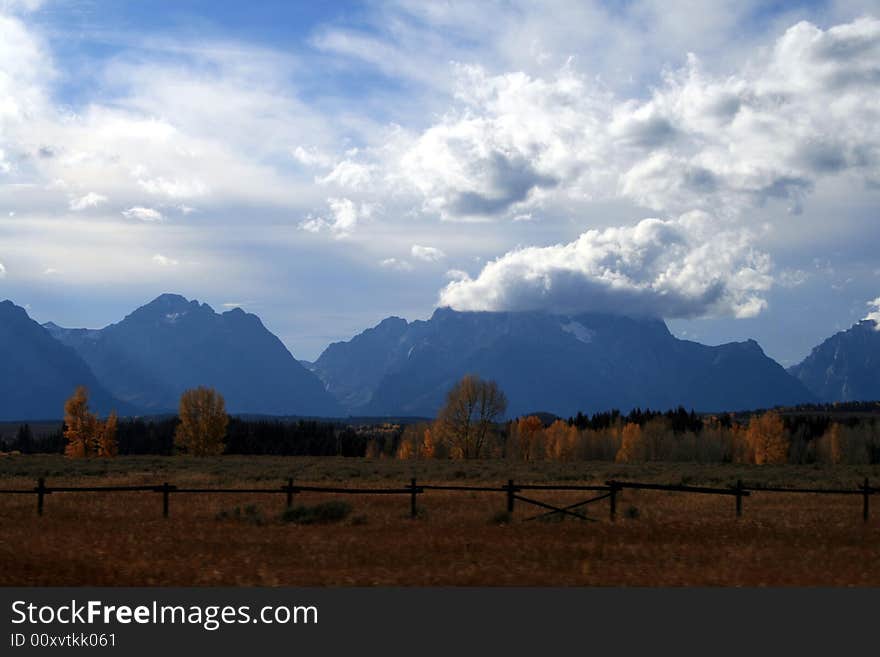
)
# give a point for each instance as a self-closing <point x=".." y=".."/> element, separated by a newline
<point x="866" y="496"/>
<point x="41" y="492"/>
<point x="510" y="498"/>
<point x="290" y="492"/>
<point x="413" y="511"/>
<point x="612" y="501"/>
<point x="165" y="490"/>
<point x="739" y="498"/>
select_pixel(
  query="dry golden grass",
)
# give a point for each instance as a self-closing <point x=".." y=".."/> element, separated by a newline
<point x="676" y="539"/>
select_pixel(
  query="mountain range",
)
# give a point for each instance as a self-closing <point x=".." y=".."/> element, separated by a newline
<point x="149" y="358"/>
<point x="552" y="363"/>
<point x="543" y="362"/>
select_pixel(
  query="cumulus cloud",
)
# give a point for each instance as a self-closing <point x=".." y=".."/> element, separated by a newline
<point x="2" y="271"/>
<point x="90" y="200"/>
<point x="427" y="253"/>
<point x="802" y="110"/>
<point x="677" y="268"/>
<point x="164" y="261"/>
<point x="874" y="315"/>
<point x="142" y="214"/>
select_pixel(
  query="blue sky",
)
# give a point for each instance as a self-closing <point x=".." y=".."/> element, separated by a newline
<point x="325" y="165"/>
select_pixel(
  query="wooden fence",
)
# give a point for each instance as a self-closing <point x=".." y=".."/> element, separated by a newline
<point x="610" y="491"/>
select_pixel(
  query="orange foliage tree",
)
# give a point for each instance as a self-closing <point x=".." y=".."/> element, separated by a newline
<point x="767" y="438"/>
<point x="560" y="441"/>
<point x="632" y="444"/>
<point x="417" y="442"/>
<point x="429" y="446"/>
<point x="203" y="422"/>
<point x="86" y="435"/>
<point x="527" y="431"/>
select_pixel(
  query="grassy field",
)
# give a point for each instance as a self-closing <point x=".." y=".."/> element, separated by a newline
<point x="660" y="538"/>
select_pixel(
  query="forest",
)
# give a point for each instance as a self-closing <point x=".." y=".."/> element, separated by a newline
<point x="839" y="433"/>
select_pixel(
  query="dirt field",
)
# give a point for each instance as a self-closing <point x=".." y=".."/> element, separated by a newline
<point x="459" y="538"/>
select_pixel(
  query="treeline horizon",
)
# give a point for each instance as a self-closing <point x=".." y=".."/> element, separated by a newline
<point x="815" y="433"/>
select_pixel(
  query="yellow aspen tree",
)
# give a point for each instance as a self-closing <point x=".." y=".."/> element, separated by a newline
<point x="468" y="418"/>
<point x="429" y="449"/>
<point x="107" y="443"/>
<point x="405" y="449"/>
<point x="81" y="425"/>
<point x="768" y="439"/>
<point x="632" y="446"/>
<point x="203" y="422"/>
<point x="527" y="430"/>
<point x="560" y="441"/>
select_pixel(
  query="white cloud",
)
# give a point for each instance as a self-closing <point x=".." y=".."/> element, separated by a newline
<point x="457" y="275"/>
<point x="515" y="145"/>
<point x="874" y="315"/>
<point x="349" y="174"/>
<point x="174" y="189"/>
<point x="676" y="268"/>
<point x="164" y="261"/>
<point x="344" y="217"/>
<point x="50" y="271"/>
<point x="173" y="119"/>
<point x="312" y="157"/>
<point x="90" y="200"/>
<point x="2" y="271"/>
<point x="427" y="253"/>
<point x="397" y="265"/>
<point x="143" y="214"/>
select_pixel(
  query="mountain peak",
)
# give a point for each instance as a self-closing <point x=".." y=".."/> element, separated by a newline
<point x="169" y="297"/>
<point x="393" y="325"/>
<point x="10" y="307"/>
<point x="844" y="367"/>
<point x="170" y="308"/>
<point x="168" y="300"/>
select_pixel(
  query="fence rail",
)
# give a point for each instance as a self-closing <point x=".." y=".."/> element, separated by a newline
<point x="610" y="491"/>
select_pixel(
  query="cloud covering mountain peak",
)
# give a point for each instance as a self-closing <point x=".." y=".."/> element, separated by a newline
<point x="674" y="268"/>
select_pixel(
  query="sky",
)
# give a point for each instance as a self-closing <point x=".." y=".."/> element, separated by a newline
<point x="326" y="165"/>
